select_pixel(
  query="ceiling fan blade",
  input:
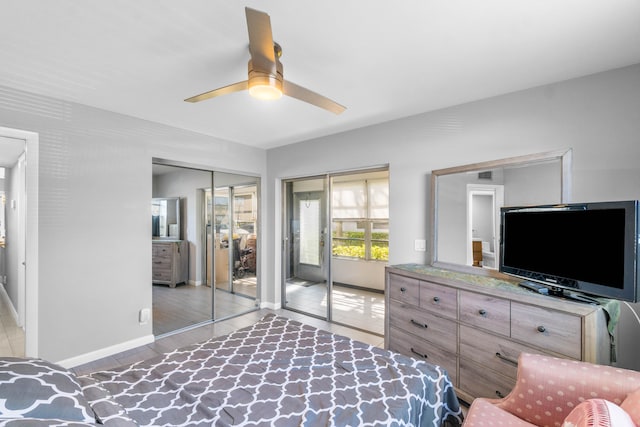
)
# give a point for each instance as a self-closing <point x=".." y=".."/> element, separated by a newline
<point x="236" y="87"/>
<point x="303" y="94"/>
<point x="261" y="44"/>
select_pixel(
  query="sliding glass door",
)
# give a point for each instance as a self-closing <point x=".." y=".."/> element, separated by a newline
<point x="336" y="247"/>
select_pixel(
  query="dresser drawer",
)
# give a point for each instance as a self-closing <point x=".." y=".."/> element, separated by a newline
<point x="427" y="326"/>
<point x="161" y="275"/>
<point x="404" y="289"/>
<point x="412" y="346"/>
<point x="549" y="329"/>
<point x="479" y="381"/>
<point x="439" y="299"/>
<point x="161" y="248"/>
<point x="494" y="352"/>
<point x="482" y="311"/>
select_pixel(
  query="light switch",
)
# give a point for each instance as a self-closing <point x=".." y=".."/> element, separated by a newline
<point x="420" y="245"/>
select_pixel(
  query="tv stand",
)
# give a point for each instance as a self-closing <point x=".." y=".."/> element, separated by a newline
<point x="579" y="297"/>
<point x="555" y="291"/>
<point x="479" y="325"/>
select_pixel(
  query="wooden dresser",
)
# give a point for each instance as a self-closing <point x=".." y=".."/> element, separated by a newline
<point x="476" y="326"/>
<point x="170" y="260"/>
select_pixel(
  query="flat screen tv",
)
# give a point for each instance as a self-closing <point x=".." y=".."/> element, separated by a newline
<point x="590" y="248"/>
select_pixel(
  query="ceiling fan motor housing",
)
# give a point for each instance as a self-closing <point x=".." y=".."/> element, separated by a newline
<point x="265" y="82"/>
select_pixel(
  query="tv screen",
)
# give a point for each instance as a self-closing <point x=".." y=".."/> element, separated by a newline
<point x="589" y="248"/>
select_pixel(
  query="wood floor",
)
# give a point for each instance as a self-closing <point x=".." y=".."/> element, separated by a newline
<point x="205" y="332"/>
<point x="187" y="305"/>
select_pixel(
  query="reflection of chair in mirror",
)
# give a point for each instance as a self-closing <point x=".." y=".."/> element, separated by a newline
<point x="251" y="257"/>
<point x="477" y="253"/>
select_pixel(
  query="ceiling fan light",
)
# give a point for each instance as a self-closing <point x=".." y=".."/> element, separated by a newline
<point x="264" y="86"/>
<point x="265" y="92"/>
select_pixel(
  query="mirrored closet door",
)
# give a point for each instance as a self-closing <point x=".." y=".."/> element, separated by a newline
<point x="203" y="239"/>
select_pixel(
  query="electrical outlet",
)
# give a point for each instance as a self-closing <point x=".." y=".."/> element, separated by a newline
<point x="144" y="315"/>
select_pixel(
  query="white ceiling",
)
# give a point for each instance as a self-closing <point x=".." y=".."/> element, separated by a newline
<point x="382" y="59"/>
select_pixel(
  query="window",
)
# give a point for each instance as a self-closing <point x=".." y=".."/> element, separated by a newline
<point x="310" y="232"/>
<point x="360" y="218"/>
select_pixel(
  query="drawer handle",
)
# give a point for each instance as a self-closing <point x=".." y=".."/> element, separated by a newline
<point x="542" y="329"/>
<point x="424" y="356"/>
<point x="422" y="325"/>
<point x="506" y="359"/>
<point x="499" y="394"/>
<point x="482" y="312"/>
<point x="403" y="290"/>
<point x="436" y="299"/>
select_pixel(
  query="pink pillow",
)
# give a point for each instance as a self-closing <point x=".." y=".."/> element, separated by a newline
<point x="598" y="413"/>
<point x="632" y="406"/>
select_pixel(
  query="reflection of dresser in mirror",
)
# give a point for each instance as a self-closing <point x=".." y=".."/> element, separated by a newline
<point x="170" y="262"/>
<point x="170" y="254"/>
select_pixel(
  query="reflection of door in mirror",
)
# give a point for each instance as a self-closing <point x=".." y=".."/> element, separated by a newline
<point x="483" y="219"/>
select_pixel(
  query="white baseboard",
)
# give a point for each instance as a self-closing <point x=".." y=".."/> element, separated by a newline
<point x="270" y="305"/>
<point x="104" y="352"/>
<point x="5" y="297"/>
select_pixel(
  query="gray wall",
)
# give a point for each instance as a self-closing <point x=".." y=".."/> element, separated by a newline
<point x="597" y="116"/>
<point x="95" y="185"/>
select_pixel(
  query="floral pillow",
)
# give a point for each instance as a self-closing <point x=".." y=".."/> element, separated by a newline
<point x="631" y="405"/>
<point x="36" y="389"/>
<point x="598" y="412"/>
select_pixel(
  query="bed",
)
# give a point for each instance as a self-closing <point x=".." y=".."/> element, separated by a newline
<point x="276" y="372"/>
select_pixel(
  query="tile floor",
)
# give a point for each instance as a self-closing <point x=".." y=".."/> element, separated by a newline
<point x="355" y="307"/>
<point x="11" y="335"/>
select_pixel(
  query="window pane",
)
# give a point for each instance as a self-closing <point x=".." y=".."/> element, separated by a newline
<point x="348" y="239"/>
<point x="379" y="198"/>
<point x="310" y="232"/>
<point x="380" y="240"/>
<point x="349" y="199"/>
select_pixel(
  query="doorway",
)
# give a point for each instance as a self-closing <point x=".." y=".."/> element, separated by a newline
<point x="336" y="247"/>
<point x="483" y="219"/>
<point x="192" y="258"/>
<point x="18" y="242"/>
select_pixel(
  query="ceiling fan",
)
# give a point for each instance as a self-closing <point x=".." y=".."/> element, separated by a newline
<point x="265" y="70"/>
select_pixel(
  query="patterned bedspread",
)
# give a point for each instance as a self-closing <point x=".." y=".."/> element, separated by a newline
<point x="279" y="372"/>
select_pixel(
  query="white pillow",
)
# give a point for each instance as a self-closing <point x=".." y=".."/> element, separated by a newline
<point x="598" y="413"/>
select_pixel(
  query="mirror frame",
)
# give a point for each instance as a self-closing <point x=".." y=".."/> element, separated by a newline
<point x="565" y="158"/>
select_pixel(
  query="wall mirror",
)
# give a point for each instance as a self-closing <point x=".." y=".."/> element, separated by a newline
<point x="165" y="218"/>
<point x="466" y="202"/>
